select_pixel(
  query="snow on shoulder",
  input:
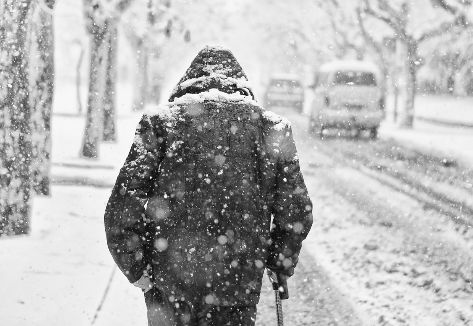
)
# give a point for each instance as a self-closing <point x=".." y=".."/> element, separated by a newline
<point x="215" y="47"/>
<point x="168" y="113"/>
<point x="239" y="82"/>
<point x="171" y="111"/>
<point x="212" y="94"/>
<point x="280" y="123"/>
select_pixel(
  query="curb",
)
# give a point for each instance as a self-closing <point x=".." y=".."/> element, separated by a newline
<point x="445" y="123"/>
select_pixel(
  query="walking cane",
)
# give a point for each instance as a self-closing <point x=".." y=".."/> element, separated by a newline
<point x="280" y="292"/>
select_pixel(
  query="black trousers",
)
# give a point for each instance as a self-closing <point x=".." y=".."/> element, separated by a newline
<point x="163" y="312"/>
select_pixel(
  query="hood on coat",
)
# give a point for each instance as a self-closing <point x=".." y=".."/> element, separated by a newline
<point x="213" y="68"/>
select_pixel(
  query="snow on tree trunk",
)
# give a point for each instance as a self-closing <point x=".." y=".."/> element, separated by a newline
<point x="451" y="82"/>
<point x="396" y="101"/>
<point x="15" y="127"/>
<point x="155" y="80"/>
<point x="79" y="77"/>
<point x="94" y="118"/>
<point x="407" y="119"/>
<point x="154" y="93"/>
<point x="101" y="17"/>
<point x="41" y="45"/>
<point x="406" y="116"/>
<point x="109" y="103"/>
<point x="141" y="77"/>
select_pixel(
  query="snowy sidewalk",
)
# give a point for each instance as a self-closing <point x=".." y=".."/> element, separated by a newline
<point x="453" y="143"/>
<point x="69" y="168"/>
<point x="446" y="110"/>
<point x="60" y="274"/>
<point x="438" y="127"/>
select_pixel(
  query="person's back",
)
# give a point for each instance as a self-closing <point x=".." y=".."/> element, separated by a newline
<point x="192" y="205"/>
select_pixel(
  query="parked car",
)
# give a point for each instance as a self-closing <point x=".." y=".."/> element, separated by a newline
<point x="284" y="90"/>
<point x="347" y="96"/>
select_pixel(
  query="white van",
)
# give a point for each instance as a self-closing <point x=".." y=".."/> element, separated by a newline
<point x="347" y="96"/>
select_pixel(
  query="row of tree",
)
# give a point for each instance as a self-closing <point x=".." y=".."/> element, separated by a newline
<point x="27" y="88"/>
<point x="394" y="32"/>
<point x="153" y="23"/>
<point x="26" y="93"/>
<point x="101" y="23"/>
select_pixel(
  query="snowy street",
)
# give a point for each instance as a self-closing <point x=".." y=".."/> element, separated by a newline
<point x="385" y="235"/>
<point x="387" y="232"/>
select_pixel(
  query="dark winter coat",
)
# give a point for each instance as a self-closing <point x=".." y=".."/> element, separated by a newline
<point x="194" y="200"/>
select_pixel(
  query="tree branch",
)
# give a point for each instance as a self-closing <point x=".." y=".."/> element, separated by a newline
<point x="393" y="13"/>
<point x="444" y="28"/>
<point x="386" y="19"/>
<point x="366" y="35"/>
<point x="445" y="5"/>
<point x="123" y="5"/>
<point x="336" y="16"/>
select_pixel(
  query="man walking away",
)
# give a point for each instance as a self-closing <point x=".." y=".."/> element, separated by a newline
<point x="189" y="218"/>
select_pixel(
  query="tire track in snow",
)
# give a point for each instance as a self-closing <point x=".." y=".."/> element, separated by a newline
<point x="458" y="211"/>
<point x="431" y="269"/>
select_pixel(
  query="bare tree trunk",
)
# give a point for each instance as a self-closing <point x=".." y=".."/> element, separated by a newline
<point x="154" y="91"/>
<point x="411" y="94"/>
<point x="41" y="93"/>
<point x="109" y="103"/>
<point x="410" y="86"/>
<point x="15" y="118"/>
<point x="79" y="78"/>
<point x="100" y="22"/>
<point x="94" y="119"/>
<point x="380" y="53"/>
<point x="386" y="76"/>
<point x="141" y="77"/>
<point x="451" y="82"/>
<point x="396" y="102"/>
<point x="155" y="80"/>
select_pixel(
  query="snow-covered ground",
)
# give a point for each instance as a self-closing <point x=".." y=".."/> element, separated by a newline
<point x="386" y="246"/>
<point x="435" y="130"/>
<point x="445" y="108"/>
<point x="59" y="274"/>
<point x="456" y="143"/>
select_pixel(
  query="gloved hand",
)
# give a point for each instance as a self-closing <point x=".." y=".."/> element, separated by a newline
<point x="282" y="282"/>
<point x="282" y="268"/>
<point x="144" y="283"/>
<point x="279" y="282"/>
<point x="282" y="265"/>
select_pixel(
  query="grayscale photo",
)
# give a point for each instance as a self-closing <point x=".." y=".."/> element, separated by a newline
<point x="236" y="162"/>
